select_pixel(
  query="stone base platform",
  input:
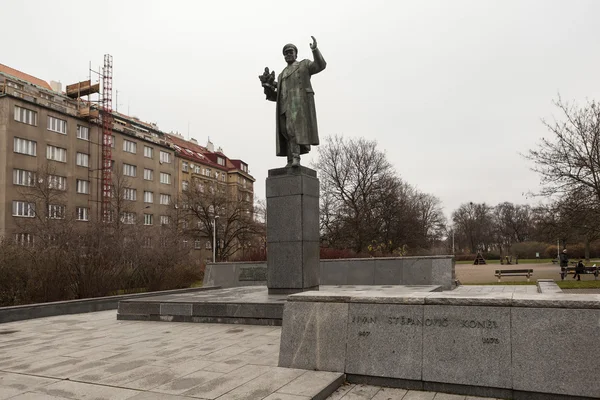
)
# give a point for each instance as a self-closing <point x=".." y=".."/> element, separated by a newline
<point x="477" y="341"/>
<point x="251" y="305"/>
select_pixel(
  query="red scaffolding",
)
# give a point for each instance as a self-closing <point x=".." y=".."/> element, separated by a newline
<point x="107" y="138"/>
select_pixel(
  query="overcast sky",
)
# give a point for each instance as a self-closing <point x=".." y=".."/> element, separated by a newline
<point x="451" y="90"/>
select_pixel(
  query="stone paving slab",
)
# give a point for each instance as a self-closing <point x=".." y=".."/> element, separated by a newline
<point x="369" y="392"/>
<point x="471" y="289"/>
<point x="95" y="356"/>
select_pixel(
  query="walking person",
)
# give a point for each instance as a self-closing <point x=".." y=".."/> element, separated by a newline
<point x="564" y="263"/>
<point x="579" y="270"/>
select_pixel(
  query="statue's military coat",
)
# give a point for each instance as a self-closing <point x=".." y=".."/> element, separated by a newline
<point x="298" y="103"/>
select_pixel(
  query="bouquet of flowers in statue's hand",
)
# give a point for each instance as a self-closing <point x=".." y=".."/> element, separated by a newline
<point x="267" y="80"/>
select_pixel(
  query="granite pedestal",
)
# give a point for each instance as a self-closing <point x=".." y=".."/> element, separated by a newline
<point x="293" y="230"/>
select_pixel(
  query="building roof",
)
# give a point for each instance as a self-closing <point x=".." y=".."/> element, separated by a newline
<point x="24" y="77"/>
<point x="192" y="151"/>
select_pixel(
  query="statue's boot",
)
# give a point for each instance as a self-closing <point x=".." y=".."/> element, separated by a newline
<point x="296" y="160"/>
<point x="293" y="152"/>
<point x="294" y="148"/>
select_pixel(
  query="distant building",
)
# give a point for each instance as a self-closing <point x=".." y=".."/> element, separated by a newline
<point x="203" y="167"/>
<point x="44" y="131"/>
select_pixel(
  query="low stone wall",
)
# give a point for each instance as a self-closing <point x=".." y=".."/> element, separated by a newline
<point x="431" y="270"/>
<point x="234" y="274"/>
<point x="40" y="310"/>
<point x="506" y="345"/>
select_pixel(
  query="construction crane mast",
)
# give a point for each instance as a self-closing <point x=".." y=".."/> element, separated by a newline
<point x="107" y="136"/>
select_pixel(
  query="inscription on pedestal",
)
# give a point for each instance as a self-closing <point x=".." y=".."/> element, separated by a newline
<point x="435" y="322"/>
<point x="467" y="345"/>
<point x="253" y="274"/>
<point x="378" y="343"/>
<point x="457" y="344"/>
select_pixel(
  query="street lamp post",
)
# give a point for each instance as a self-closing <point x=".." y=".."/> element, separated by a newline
<point x="215" y="238"/>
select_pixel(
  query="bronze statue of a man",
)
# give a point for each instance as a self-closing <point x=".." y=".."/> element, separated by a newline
<point x="296" y="118"/>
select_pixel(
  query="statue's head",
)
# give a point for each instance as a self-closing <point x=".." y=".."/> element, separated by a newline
<point x="290" y="52"/>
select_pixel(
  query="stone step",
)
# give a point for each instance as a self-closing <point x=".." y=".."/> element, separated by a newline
<point x="243" y="305"/>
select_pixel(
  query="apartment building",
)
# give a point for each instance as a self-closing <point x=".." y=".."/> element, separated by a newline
<point x="206" y="168"/>
<point x="53" y="139"/>
<point x="44" y="134"/>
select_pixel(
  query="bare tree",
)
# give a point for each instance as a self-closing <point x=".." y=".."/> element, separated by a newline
<point x="473" y="225"/>
<point x="355" y="178"/>
<point x="569" y="161"/>
<point x="210" y="209"/>
<point x="431" y="219"/>
<point x="366" y="207"/>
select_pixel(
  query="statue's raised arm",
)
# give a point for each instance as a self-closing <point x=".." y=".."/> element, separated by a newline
<point x="319" y="63"/>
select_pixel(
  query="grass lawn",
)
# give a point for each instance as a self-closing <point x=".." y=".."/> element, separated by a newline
<point x="572" y="284"/>
<point x="521" y="261"/>
<point x="527" y="261"/>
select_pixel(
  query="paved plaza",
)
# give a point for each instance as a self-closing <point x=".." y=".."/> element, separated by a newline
<point x="95" y="356"/>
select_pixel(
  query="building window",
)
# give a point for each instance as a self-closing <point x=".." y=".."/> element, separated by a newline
<point x="24" y="239"/>
<point x="83" y="160"/>
<point x="111" y="140"/>
<point x="245" y="167"/>
<point x="57" y="182"/>
<point x="207" y="172"/>
<point x="208" y="245"/>
<point x="148" y="219"/>
<point x="165" y="220"/>
<point x="221" y="161"/>
<point x="148" y="152"/>
<point x="185" y="185"/>
<point x="148" y="197"/>
<point x="25" y="116"/>
<point x="24" y="146"/>
<point x="83" y="186"/>
<point x="165" y="178"/>
<point x="56" y="211"/>
<point x="83" y="214"/>
<point x="185" y="166"/>
<point x="129" y="194"/>
<point x="23" y="209"/>
<point x="128" y="218"/>
<point x="129" y="170"/>
<point x="165" y="199"/>
<point x="197" y="244"/>
<point x="165" y="157"/>
<point x="147" y="242"/>
<point x="129" y="146"/>
<point x="56" y="153"/>
<point x="197" y="169"/>
<point x="57" y="125"/>
<point x="23" y="178"/>
<point x="83" y="132"/>
<point x="148" y="174"/>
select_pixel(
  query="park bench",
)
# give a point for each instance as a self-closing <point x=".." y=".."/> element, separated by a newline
<point x="513" y="272"/>
<point x="564" y="272"/>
